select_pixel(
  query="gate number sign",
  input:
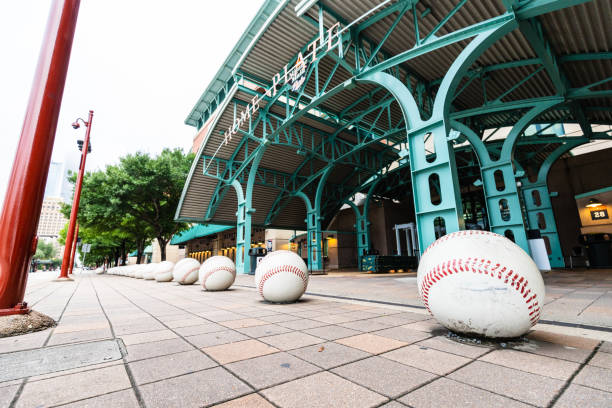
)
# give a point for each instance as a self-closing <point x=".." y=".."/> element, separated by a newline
<point x="599" y="214"/>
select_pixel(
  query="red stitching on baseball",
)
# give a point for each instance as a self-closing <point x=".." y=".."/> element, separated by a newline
<point x="480" y="266"/>
<point x="281" y="268"/>
<point x="185" y="276"/>
<point x="217" y="268"/>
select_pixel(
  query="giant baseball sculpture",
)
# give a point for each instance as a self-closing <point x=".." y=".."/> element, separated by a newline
<point x="163" y="273"/>
<point x="217" y="273"/>
<point x="281" y="277"/>
<point x="479" y="282"/>
<point x="185" y="271"/>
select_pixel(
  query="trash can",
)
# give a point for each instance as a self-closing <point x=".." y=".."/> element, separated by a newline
<point x="597" y="249"/>
<point x="537" y="247"/>
<point x="256" y="254"/>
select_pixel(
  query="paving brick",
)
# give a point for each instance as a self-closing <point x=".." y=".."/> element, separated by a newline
<point x="265" y="330"/>
<point x="443" y="343"/>
<point x="248" y="401"/>
<point x="194" y="390"/>
<point x="603" y="360"/>
<point x="368" y="325"/>
<point x="158" y="368"/>
<point x="526" y="387"/>
<point x="403" y="334"/>
<point x="446" y="393"/>
<point x="428" y="326"/>
<point x="322" y="390"/>
<point x="371" y="343"/>
<point x="186" y="322"/>
<point x="8" y="393"/>
<point x="241" y="323"/>
<point x="148" y="337"/>
<point x="563" y="339"/>
<point x="277" y="318"/>
<point x="393" y="404"/>
<point x="216" y="338"/>
<point x="579" y="396"/>
<point x="73" y="387"/>
<point x="80" y="336"/>
<point x="384" y="376"/>
<point x="302" y="324"/>
<point x="158" y="348"/>
<point x="228" y="353"/>
<point x="293" y="340"/>
<point x="532" y="363"/>
<point x="331" y="332"/>
<point x="595" y="377"/>
<point x="555" y="350"/>
<point x="428" y="359"/>
<point x="199" y="329"/>
<point x="119" y="399"/>
<point x="606" y="347"/>
<point x="273" y="369"/>
<point x="24" y="341"/>
<point x="329" y="355"/>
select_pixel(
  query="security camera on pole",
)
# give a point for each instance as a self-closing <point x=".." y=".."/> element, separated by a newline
<point x="70" y="236"/>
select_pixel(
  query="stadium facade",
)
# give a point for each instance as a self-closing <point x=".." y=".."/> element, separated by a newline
<point x="461" y="113"/>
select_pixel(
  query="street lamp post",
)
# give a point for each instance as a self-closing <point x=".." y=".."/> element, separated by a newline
<point x="70" y="236"/>
<point x="26" y="186"/>
<point x="74" y="246"/>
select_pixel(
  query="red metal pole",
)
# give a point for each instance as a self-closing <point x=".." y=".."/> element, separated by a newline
<point x="24" y="196"/>
<point x="70" y="236"/>
<point x="74" y="245"/>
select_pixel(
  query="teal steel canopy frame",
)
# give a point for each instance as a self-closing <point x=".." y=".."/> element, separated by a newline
<point x="370" y="138"/>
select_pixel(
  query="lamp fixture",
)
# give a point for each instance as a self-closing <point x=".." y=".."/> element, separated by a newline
<point x="593" y="202"/>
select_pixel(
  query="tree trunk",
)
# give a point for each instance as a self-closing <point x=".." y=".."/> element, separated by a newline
<point x="123" y="252"/>
<point x="140" y="250"/>
<point x="162" y="247"/>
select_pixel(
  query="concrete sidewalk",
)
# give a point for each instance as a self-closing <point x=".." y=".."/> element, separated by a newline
<point x="181" y="347"/>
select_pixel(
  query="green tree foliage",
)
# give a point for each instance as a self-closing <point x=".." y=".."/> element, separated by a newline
<point x="45" y="251"/>
<point x="150" y="190"/>
<point x="127" y="205"/>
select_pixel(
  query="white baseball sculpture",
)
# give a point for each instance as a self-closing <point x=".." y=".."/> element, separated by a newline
<point x="163" y="273"/>
<point x="185" y="271"/>
<point x="217" y="273"/>
<point x="479" y="282"/>
<point x="149" y="271"/>
<point x="281" y="277"/>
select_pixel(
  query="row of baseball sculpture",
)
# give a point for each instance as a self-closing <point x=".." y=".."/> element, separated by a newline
<point x="281" y="276"/>
<point x="473" y="282"/>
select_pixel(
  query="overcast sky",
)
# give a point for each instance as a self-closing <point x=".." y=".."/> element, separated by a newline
<point x="140" y="65"/>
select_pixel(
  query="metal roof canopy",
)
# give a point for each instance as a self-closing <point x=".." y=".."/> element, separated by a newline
<point x="335" y="135"/>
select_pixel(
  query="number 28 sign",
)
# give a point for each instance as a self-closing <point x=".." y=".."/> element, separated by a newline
<point x="599" y="214"/>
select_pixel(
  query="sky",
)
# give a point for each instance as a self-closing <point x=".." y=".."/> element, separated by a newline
<point x="141" y="65"/>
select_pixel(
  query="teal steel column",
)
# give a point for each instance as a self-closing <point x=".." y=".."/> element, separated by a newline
<point x="502" y="200"/>
<point x="362" y="225"/>
<point x="313" y="234"/>
<point x="247" y="212"/>
<point x="538" y="206"/>
<point x="241" y="216"/>
<point x="435" y="185"/>
<point x="499" y="182"/>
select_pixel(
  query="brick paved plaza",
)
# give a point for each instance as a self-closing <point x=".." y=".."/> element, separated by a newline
<point x="182" y="347"/>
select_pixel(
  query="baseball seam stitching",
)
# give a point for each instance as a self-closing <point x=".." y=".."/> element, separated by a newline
<point x="486" y="267"/>
<point x="281" y="268"/>
<point x="217" y="268"/>
<point x="185" y="276"/>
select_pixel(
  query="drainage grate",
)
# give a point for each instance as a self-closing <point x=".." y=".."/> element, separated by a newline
<point x="47" y="360"/>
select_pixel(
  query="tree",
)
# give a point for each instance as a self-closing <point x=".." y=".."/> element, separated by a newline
<point x="150" y="190"/>
<point x="45" y="251"/>
<point x="133" y="202"/>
